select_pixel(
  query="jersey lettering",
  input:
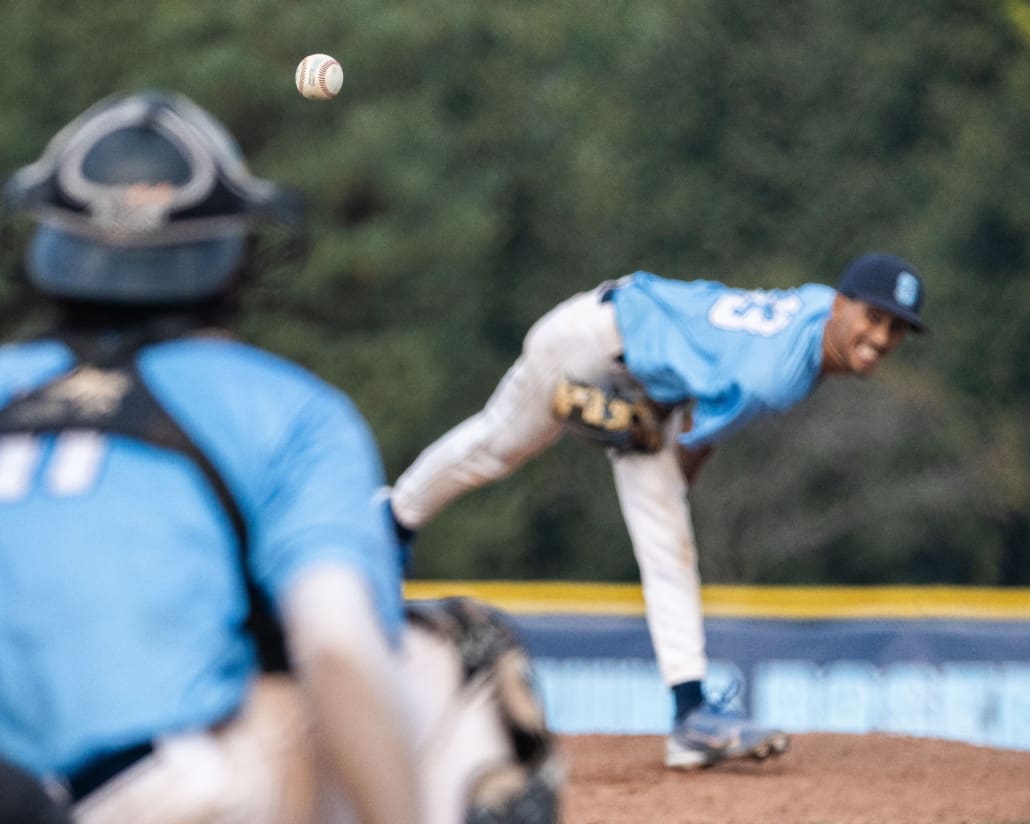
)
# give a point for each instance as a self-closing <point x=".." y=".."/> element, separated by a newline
<point x="19" y="457"/>
<point x="756" y="312"/>
<point x="73" y="467"/>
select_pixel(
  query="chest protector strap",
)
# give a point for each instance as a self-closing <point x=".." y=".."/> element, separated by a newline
<point x="105" y="392"/>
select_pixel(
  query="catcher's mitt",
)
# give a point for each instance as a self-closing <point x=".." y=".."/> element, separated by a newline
<point x="622" y="418"/>
<point x="525" y="790"/>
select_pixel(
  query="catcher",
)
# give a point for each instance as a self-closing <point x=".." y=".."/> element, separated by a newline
<point x="201" y="613"/>
<point x="658" y="371"/>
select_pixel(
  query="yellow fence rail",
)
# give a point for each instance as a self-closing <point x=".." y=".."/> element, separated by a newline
<point x="800" y="603"/>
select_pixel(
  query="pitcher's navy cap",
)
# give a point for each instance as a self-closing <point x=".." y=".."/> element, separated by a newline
<point x="886" y="281"/>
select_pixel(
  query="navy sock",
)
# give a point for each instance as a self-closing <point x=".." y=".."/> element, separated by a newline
<point x="405" y="540"/>
<point x="687" y="697"/>
<point x="404" y="535"/>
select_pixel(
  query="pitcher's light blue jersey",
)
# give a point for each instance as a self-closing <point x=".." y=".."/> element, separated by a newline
<point x="738" y="354"/>
<point x="121" y="596"/>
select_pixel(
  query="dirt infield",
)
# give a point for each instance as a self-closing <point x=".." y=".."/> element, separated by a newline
<point x="824" y="779"/>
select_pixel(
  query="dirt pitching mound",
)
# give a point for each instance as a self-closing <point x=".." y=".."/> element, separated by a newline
<point x="823" y="779"/>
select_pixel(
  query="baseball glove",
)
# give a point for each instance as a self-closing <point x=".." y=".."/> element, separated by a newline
<point x="526" y="789"/>
<point x="619" y="417"/>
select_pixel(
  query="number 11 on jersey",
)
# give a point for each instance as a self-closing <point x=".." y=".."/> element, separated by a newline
<point x="71" y="468"/>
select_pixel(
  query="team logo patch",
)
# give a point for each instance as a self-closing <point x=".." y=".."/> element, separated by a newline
<point x="93" y="392"/>
<point x="906" y="289"/>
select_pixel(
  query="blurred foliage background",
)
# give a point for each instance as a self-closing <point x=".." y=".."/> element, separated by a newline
<point x="488" y="158"/>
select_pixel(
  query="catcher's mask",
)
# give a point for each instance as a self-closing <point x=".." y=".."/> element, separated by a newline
<point x="144" y="198"/>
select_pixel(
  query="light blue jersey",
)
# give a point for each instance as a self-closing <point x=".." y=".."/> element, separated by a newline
<point x="121" y="596"/>
<point x="738" y="354"/>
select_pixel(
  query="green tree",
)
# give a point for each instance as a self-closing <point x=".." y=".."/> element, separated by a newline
<point x="487" y="159"/>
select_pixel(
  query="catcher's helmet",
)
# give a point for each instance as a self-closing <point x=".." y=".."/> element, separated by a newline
<point x="143" y="198"/>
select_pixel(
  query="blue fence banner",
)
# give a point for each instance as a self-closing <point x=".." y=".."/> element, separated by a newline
<point x="950" y="663"/>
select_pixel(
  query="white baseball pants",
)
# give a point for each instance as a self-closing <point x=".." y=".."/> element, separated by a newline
<point x="578" y="339"/>
<point x="258" y="768"/>
<point x="261" y="768"/>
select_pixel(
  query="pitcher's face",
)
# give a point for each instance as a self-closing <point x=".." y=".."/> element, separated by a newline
<point x="859" y="335"/>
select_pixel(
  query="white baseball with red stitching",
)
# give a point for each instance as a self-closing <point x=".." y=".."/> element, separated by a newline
<point x="319" y="77"/>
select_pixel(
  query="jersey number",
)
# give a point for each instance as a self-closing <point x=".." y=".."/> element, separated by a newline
<point x="757" y="312"/>
<point x="71" y="469"/>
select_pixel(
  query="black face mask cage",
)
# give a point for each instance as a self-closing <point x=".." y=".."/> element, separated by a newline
<point x="143" y="198"/>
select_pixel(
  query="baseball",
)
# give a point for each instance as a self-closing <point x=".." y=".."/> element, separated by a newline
<point x="319" y="77"/>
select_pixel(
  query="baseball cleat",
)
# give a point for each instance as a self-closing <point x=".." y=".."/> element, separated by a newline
<point x="776" y="744"/>
<point x="710" y="735"/>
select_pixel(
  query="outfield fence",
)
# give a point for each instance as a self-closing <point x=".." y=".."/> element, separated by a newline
<point x="942" y="662"/>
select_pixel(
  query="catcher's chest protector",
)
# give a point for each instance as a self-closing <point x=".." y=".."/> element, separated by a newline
<point x="105" y="392"/>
